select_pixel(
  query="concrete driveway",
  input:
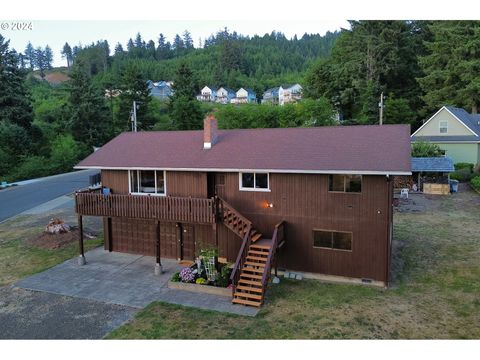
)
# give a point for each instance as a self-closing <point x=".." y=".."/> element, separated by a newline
<point x="123" y="279"/>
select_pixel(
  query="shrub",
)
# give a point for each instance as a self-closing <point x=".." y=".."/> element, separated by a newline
<point x="175" y="277"/>
<point x="461" y="175"/>
<point x="476" y="182"/>
<point x="224" y="277"/>
<point x="425" y="149"/>
<point x="201" y="281"/>
<point x="187" y="275"/>
<point x="462" y="165"/>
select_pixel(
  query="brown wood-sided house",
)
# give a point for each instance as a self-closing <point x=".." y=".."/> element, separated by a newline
<point x="324" y="193"/>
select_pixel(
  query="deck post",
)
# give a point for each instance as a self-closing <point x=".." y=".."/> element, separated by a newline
<point x="109" y="234"/>
<point x="158" y="264"/>
<point x="81" y="258"/>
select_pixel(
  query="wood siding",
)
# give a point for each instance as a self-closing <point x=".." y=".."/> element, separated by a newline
<point x="305" y="203"/>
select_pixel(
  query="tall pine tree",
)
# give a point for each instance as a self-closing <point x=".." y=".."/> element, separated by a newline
<point x="89" y="122"/>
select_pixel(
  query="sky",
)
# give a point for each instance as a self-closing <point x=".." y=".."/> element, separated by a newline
<point x="56" y="33"/>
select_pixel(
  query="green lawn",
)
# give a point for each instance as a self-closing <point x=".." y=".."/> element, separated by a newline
<point x="19" y="259"/>
<point x="436" y="292"/>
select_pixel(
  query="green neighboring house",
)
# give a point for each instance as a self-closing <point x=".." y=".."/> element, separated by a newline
<point x="455" y="131"/>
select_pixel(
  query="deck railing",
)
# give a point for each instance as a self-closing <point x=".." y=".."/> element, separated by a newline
<point x="178" y="209"/>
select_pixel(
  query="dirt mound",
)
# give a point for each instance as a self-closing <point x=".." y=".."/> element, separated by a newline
<point x="55" y="241"/>
<point x="54" y="78"/>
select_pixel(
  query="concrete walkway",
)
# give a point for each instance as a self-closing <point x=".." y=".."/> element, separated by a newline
<point x="124" y="279"/>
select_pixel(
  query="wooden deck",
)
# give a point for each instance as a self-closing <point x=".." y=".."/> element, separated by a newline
<point x="177" y="209"/>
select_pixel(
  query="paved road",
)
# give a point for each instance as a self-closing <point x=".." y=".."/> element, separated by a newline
<point x="17" y="199"/>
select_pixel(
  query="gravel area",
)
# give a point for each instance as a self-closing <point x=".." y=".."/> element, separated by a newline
<point x="28" y="314"/>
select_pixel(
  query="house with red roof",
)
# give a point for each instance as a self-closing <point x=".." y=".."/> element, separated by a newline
<point x="316" y="202"/>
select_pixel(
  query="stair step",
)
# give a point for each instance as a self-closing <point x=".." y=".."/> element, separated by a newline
<point x="258" y="252"/>
<point x="249" y="282"/>
<point x="252" y="269"/>
<point x="251" y="263"/>
<point x="247" y="302"/>
<point x="255" y="246"/>
<point x="251" y="276"/>
<point x="248" y="296"/>
<point x="256" y="237"/>
<point x="263" y="259"/>
<point x="249" y="288"/>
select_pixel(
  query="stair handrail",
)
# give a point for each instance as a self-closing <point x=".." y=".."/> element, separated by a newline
<point x="223" y="204"/>
<point x="278" y="241"/>
<point x="240" y="258"/>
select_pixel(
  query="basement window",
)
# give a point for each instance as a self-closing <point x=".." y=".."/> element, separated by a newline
<point x="254" y="181"/>
<point x="345" y="183"/>
<point x="443" y="125"/>
<point x="147" y="182"/>
<point x="335" y="240"/>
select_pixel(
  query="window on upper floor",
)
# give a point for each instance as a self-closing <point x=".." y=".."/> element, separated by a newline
<point x="336" y="240"/>
<point x="147" y="182"/>
<point x="345" y="183"/>
<point x="443" y="125"/>
<point x="254" y="182"/>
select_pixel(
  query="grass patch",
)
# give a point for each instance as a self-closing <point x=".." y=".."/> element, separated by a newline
<point x="435" y="295"/>
<point x="19" y="259"/>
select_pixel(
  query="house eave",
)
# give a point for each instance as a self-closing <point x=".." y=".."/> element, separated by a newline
<point x="279" y="171"/>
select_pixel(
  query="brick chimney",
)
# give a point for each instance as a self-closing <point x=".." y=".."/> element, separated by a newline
<point x="209" y="131"/>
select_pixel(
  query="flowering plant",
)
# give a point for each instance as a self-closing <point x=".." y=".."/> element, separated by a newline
<point x="187" y="275"/>
<point x="201" y="281"/>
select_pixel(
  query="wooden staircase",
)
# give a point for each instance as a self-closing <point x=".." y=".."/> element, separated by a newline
<point x="253" y="267"/>
<point x="250" y="290"/>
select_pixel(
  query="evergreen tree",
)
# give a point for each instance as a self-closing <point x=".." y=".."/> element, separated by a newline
<point x="139" y="43"/>
<point x="185" y="110"/>
<point x="30" y="55"/>
<point x="452" y="65"/>
<point x="40" y="61"/>
<point x="187" y="40"/>
<point x="371" y="57"/>
<point x="67" y="54"/>
<point x="118" y="50"/>
<point x="134" y="88"/>
<point x="178" y="45"/>
<point x="130" y="45"/>
<point x="15" y="106"/>
<point x="89" y="122"/>
<point x="151" y="51"/>
<point x="48" y="57"/>
<point x="163" y="49"/>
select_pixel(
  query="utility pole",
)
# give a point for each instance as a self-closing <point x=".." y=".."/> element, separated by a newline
<point x="380" y="105"/>
<point x="134" y="117"/>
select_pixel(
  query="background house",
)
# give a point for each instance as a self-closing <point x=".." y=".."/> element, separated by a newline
<point x="207" y="94"/>
<point x="244" y="96"/>
<point x="224" y="95"/>
<point x="289" y="93"/>
<point x="270" y="96"/>
<point x="161" y="90"/>
<point x="455" y="131"/>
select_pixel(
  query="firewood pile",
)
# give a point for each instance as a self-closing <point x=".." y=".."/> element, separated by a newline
<point x="57" y="226"/>
<point x="401" y="182"/>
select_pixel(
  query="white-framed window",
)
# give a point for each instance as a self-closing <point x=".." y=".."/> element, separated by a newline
<point x="147" y="182"/>
<point x="443" y="125"/>
<point x="254" y="181"/>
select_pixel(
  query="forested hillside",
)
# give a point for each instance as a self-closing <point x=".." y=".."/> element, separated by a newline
<point x="47" y="127"/>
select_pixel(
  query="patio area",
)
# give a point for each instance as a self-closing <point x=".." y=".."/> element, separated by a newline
<point x="124" y="279"/>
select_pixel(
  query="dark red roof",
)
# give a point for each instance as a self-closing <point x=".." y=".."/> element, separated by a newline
<point x="365" y="149"/>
